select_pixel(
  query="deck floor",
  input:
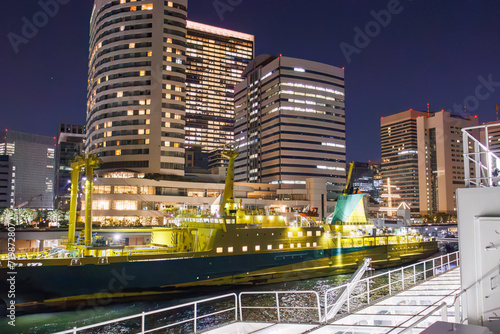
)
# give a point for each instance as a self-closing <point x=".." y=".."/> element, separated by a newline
<point x="391" y="315"/>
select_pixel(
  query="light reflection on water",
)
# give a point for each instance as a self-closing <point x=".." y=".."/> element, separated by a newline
<point x="58" y="321"/>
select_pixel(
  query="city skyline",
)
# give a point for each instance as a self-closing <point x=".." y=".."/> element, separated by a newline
<point x="419" y="53"/>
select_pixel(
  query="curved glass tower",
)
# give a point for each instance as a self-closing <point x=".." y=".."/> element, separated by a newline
<point x="136" y="85"/>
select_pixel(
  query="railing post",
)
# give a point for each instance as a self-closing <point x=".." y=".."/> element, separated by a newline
<point x="457" y="310"/>
<point x="448" y="259"/>
<point x="368" y="290"/>
<point x="143" y="323"/>
<point x="74" y="330"/>
<point x="403" y="278"/>
<point x="444" y="313"/>
<point x="278" y="306"/>
<point x="414" y="275"/>
<point x="425" y="270"/>
<point x="433" y="267"/>
<point x="195" y="318"/>
<point x="390" y="288"/>
<point x="235" y="307"/>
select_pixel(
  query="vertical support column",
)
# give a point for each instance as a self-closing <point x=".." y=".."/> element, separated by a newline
<point x="478" y="165"/>
<point x="487" y="154"/>
<point x="465" y="143"/>
<point x="75" y="174"/>
<point x="89" y="174"/>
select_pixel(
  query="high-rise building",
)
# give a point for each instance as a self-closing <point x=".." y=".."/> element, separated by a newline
<point x="440" y="160"/>
<point x="136" y="86"/>
<point x="398" y="135"/>
<point x="422" y="155"/>
<point x="7" y="182"/>
<point x="70" y="143"/>
<point x="33" y="160"/>
<point x="216" y="59"/>
<point x="290" y="122"/>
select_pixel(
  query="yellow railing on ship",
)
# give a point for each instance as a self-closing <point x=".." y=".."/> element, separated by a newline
<point x="363" y="241"/>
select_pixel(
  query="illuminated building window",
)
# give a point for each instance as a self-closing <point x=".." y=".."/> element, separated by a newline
<point x="130" y="113"/>
<point x="148" y="121"/>
<point x="150" y="53"/>
<point x="309" y="233"/>
<point x="142" y="73"/>
<point x="119" y="94"/>
<point x="318" y="233"/>
<point x="269" y="247"/>
<point x="315" y="244"/>
<point x="140" y="131"/>
<point x="230" y="249"/>
<point x="244" y="248"/>
<point x="100" y="205"/>
<point x="170" y="4"/>
<point x="292" y="245"/>
<point x="257" y="248"/>
<point x="280" y="246"/>
<point x="290" y="234"/>
<point x="125" y="205"/>
<point x="125" y="190"/>
<point x="147" y="7"/>
<point x="147" y="141"/>
<point x="299" y="245"/>
<point x="147" y="131"/>
<point x="118" y="152"/>
<point x="300" y="234"/>
<point x="308" y="244"/>
<point x="133" y="8"/>
<point x="220" y="249"/>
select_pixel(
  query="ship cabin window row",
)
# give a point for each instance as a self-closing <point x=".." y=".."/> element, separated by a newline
<point x="244" y="249"/>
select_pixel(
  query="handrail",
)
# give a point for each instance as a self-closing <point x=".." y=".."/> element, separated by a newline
<point x="443" y="306"/>
<point x="278" y="307"/>
<point x="143" y="316"/>
<point x="366" y="281"/>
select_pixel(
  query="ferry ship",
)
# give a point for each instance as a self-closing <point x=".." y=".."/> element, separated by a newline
<point x="235" y="247"/>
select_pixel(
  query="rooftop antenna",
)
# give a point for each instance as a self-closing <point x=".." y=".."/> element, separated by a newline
<point x="428" y="110"/>
<point x="497" y="111"/>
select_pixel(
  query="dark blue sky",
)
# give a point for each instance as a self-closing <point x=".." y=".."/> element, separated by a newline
<point x="431" y="51"/>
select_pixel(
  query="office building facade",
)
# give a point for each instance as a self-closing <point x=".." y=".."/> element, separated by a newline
<point x="70" y="143"/>
<point x="7" y="182"/>
<point x="216" y="59"/>
<point x="33" y="158"/>
<point x="136" y="85"/>
<point x="441" y="161"/>
<point x="399" y="148"/>
<point x="290" y="122"/>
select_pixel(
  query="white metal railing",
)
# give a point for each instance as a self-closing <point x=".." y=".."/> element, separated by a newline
<point x="283" y="307"/>
<point x="279" y="307"/>
<point x="362" y="292"/>
<point x="478" y="152"/>
<point x="143" y="317"/>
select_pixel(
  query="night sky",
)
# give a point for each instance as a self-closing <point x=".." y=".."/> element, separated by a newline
<point x="430" y="51"/>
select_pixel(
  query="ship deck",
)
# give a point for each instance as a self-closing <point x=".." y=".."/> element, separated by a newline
<point x="396" y="314"/>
